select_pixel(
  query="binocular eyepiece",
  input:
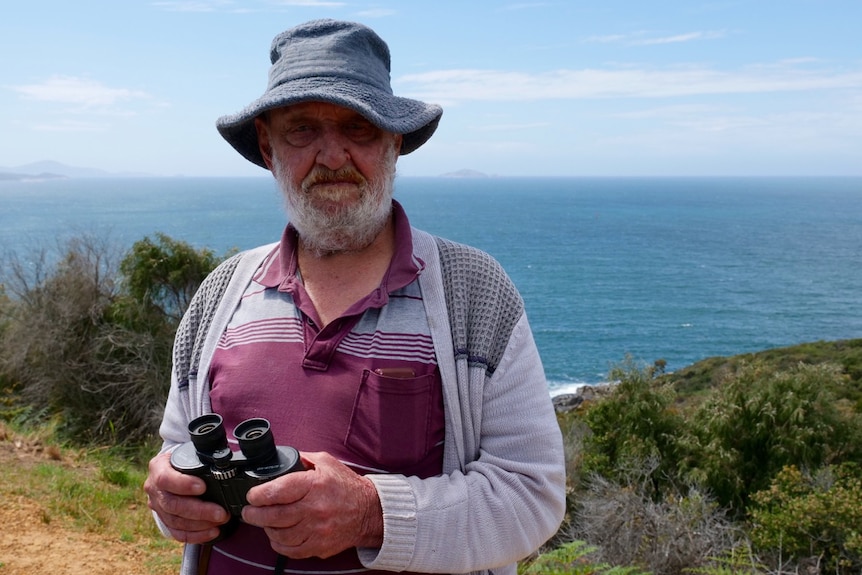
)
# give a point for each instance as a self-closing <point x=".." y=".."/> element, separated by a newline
<point x="229" y="475"/>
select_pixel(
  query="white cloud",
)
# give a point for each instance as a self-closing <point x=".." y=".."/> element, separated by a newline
<point x="675" y="39"/>
<point x="643" y="39"/>
<point x="377" y="13"/>
<point x="77" y="91"/>
<point x="677" y="111"/>
<point x="458" y="85"/>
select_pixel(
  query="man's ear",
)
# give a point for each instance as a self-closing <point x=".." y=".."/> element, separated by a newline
<point x="263" y="142"/>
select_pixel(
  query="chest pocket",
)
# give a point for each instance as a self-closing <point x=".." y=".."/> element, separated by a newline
<point x="392" y="423"/>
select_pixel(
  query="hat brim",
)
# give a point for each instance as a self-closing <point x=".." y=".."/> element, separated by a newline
<point x="416" y="121"/>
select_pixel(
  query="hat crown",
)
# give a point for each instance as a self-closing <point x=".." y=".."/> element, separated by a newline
<point x="327" y="49"/>
<point x="341" y="63"/>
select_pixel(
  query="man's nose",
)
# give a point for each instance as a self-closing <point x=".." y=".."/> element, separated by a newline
<point x="333" y="148"/>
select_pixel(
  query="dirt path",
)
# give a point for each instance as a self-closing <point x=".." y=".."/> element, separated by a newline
<point x="33" y="541"/>
<point x="29" y="546"/>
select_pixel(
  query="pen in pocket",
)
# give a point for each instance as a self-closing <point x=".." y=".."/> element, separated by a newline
<point x="396" y="372"/>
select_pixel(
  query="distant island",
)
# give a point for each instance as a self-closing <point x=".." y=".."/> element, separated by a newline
<point x="52" y="170"/>
<point x="49" y="169"/>
<point x="16" y="177"/>
<point x="465" y="173"/>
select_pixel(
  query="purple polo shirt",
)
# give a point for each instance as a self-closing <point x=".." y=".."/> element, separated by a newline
<point x="365" y="388"/>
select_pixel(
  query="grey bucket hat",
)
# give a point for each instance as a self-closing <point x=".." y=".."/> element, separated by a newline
<point x="342" y="63"/>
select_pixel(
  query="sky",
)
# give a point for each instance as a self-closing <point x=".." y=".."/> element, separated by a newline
<point x="528" y="88"/>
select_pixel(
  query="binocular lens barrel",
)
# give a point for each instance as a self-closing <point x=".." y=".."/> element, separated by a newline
<point x="255" y="440"/>
<point x="208" y="434"/>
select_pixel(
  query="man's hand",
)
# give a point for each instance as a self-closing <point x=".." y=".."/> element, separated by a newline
<point x="174" y="496"/>
<point x="319" y="512"/>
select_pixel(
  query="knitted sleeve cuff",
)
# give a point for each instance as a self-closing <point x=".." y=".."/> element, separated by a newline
<point x="399" y="525"/>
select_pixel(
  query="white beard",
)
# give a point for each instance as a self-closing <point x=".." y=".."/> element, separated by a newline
<point x="345" y="229"/>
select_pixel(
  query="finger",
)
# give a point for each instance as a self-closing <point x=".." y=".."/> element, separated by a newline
<point x="188" y="519"/>
<point x="195" y="537"/>
<point x="283" y="490"/>
<point x="277" y="516"/>
<point x="295" y="545"/>
<point x="191" y="509"/>
<point x="163" y="477"/>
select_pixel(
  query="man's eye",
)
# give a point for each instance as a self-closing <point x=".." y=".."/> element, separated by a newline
<point x="300" y="135"/>
<point x="360" y="131"/>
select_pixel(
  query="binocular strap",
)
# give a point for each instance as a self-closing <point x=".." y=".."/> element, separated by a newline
<point x="280" y="564"/>
<point x="204" y="558"/>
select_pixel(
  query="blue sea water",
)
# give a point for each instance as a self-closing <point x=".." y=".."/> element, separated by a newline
<point x="677" y="269"/>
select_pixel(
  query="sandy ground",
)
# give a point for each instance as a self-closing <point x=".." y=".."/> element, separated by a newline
<point x="30" y="544"/>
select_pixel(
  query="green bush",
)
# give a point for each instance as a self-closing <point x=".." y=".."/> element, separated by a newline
<point x="660" y="479"/>
<point x="92" y="345"/>
<point x="761" y="419"/>
<point x="573" y="558"/>
<point x="164" y="274"/>
<point x="635" y="423"/>
<point x="805" y="515"/>
<point x="706" y="374"/>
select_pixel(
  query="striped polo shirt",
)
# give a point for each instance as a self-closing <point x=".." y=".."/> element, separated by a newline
<point x="365" y="388"/>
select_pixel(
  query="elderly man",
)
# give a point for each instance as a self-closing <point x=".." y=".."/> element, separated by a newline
<point x="400" y="365"/>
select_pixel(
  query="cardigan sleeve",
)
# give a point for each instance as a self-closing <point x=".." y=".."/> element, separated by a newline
<point x="504" y="504"/>
<point x="502" y="491"/>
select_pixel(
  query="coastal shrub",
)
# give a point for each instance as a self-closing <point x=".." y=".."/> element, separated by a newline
<point x="698" y="378"/>
<point x="575" y="433"/>
<point x="59" y="350"/>
<point x="7" y="386"/>
<point x="741" y="560"/>
<point x="5" y="307"/>
<point x="572" y="558"/>
<point x="818" y="515"/>
<point x="677" y="533"/>
<point x="761" y="419"/>
<point x="163" y="274"/>
<point x="81" y="345"/>
<point x="637" y="422"/>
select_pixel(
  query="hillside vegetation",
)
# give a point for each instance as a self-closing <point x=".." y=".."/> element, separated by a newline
<point x="745" y="464"/>
<point x="847" y="354"/>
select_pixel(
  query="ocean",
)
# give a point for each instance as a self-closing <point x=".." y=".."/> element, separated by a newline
<point x="678" y="269"/>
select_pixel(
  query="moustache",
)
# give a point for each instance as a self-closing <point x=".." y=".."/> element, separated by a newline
<point x="321" y="175"/>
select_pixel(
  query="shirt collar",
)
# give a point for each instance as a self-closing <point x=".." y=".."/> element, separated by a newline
<point x="280" y="267"/>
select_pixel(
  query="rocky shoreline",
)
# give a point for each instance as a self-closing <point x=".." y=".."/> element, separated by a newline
<point x="566" y="402"/>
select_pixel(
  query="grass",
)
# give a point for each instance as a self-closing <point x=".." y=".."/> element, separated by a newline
<point x="90" y="490"/>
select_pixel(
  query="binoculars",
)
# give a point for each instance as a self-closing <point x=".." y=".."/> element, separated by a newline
<point x="229" y="475"/>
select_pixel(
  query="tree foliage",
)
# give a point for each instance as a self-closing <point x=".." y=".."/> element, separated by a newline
<point x="89" y="340"/>
<point x="636" y="423"/>
<point x="163" y="274"/>
<point x="820" y="515"/>
<point x="762" y="419"/>
<point x="652" y="461"/>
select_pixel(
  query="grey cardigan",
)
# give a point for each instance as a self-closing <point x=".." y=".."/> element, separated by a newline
<point x="502" y="491"/>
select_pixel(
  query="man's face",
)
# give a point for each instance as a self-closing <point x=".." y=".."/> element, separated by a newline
<point x="336" y="171"/>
